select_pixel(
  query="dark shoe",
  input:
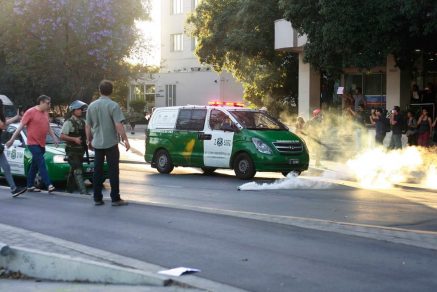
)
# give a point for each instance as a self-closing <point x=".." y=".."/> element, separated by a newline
<point x="119" y="203"/>
<point x="51" y="188"/>
<point x="33" y="189"/>
<point x="18" y="191"/>
<point x="99" y="203"/>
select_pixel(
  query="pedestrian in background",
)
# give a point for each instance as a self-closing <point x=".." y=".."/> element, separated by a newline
<point x="314" y="131"/>
<point x="4" y="164"/>
<point x="379" y="120"/>
<point x="359" y="99"/>
<point x="300" y="124"/>
<point x="396" y="128"/>
<point x="424" y="124"/>
<point x="36" y="120"/>
<point x="359" y="118"/>
<point x="411" y="129"/>
<point x="73" y="132"/>
<point x="103" y="127"/>
<point x="434" y="136"/>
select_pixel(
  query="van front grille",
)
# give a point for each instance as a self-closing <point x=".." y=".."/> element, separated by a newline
<point x="289" y="147"/>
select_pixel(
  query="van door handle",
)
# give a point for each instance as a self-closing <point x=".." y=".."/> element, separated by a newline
<point x="203" y="136"/>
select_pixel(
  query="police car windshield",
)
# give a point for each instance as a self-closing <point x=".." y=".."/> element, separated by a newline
<point x="257" y="120"/>
<point x="49" y="139"/>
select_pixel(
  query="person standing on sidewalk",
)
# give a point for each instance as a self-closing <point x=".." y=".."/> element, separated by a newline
<point x="4" y="164"/>
<point x="103" y="128"/>
<point x="379" y="120"/>
<point x="396" y="129"/>
<point x="36" y="120"/>
<point x="425" y="125"/>
<point x="73" y="132"/>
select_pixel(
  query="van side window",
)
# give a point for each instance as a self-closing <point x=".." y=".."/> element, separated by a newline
<point x="216" y="119"/>
<point x="191" y="119"/>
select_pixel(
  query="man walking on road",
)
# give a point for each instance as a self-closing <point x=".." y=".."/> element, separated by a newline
<point x="36" y="120"/>
<point x="103" y="128"/>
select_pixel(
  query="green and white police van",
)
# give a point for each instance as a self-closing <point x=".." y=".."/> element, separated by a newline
<point x="19" y="157"/>
<point x="212" y="137"/>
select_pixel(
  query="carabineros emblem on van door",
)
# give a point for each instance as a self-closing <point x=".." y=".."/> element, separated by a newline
<point x="14" y="154"/>
<point x="219" y="141"/>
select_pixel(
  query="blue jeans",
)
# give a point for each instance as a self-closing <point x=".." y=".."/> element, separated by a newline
<point x="395" y="141"/>
<point x="4" y="164"/>
<point x="38" y="164"/>
<point x="113" y="158"/>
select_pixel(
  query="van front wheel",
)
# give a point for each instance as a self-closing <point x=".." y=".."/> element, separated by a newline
<point x="244" y="167"/>
<point x="294" y="172"/>
<point x="163" y="162"/>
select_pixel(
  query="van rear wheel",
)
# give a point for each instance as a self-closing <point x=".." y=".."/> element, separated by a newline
<point x="208" y="170"/>
<point x="244" y="167"/>
<point x="163" y="162"/>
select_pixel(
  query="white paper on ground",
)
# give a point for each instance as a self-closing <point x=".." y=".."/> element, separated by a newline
<point x="176" y="272"/>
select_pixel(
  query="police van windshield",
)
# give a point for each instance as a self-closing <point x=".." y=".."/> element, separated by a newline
<point x="257" y="120"/>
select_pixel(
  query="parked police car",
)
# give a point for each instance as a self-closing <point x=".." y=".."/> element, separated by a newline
<point x="212" y="137"/>
<point x="19" y="157"/>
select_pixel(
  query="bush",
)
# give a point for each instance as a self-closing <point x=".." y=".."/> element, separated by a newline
<point x="137" y="105"/>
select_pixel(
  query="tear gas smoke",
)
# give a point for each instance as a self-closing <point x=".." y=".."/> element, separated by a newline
<point x="337" y="138"/>
<point x="290" y="182"/>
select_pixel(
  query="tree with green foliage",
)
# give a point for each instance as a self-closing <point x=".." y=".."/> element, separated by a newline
<point x="238" y="36"/>
<point x="63" y="48"/>
<point x="361" y="33"/>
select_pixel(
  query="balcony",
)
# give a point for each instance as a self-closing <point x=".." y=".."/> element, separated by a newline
<point x="287" y="38"/>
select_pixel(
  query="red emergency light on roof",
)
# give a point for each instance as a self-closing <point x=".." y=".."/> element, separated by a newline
<point x="226" y="103"/>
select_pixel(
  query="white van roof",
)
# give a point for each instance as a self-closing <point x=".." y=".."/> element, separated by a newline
<point x="6" y="100"/>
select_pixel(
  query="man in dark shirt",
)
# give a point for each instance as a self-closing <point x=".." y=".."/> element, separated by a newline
<point x="396" y="128"/>
<point x="379" y="120"/>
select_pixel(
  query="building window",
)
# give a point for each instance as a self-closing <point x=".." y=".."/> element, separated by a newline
<point x="170" y="95"/>
<point x="194" y="3"/>
<point x="177" y="6"/>
<point x="144" y="92"/>
<point x="177" y="42"/>
<point x="150" y="97"/>
<point x="193" y="43"/>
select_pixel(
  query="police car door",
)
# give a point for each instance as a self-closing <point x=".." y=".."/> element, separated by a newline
<point x="218" y="150"/>
<point x="15" y="153"/>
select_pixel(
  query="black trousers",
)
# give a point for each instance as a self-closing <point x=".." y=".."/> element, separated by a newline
<point x="113" y="158"/>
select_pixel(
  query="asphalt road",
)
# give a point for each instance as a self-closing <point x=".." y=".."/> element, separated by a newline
<point x="248" y="254"/>
<point x="409" y="209"/>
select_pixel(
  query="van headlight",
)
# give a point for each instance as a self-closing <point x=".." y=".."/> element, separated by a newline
<point x="261" y="146"/>
<point x="58" y="159"/>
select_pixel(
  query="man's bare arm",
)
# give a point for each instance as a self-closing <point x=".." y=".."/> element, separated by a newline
<point x="122" y="133"/>
<point x="89" y="136"/>
<point x="14" y="136"/>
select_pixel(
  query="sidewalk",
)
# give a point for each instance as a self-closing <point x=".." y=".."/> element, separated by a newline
<point x="21" y="239"/>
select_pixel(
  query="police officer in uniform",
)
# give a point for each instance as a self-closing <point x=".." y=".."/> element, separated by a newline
<point x="73" y="132"/>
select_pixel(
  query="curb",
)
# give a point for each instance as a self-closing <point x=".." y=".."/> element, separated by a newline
<point x="50" y="266"/>
<point x="118" y="263"/>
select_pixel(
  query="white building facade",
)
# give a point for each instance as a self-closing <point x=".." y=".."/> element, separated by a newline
<point x="182" y="79"/>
